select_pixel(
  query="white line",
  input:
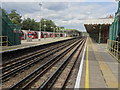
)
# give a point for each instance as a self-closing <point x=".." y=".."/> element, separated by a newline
<point x="77" y="83"/>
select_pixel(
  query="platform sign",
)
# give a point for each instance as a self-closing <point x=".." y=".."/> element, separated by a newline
<point x="29" y="34"/>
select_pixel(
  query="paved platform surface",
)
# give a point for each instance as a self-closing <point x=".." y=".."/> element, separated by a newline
<point x="100" y="69"/>
<point x="35" y="42"/>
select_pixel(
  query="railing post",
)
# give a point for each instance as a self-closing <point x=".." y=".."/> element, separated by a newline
<point x="118" y="50"/>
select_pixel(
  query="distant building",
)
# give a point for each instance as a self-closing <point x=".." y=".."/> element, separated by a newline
<point x="72" y="32"/>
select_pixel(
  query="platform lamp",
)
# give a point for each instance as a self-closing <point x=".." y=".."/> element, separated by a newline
<point x="52" y="31"/>
<point x="56" y="29"/>
<point x="39" y="33"/>
<point x="44" y="30"/>
<point x="59" y="31"/>
<point x="44" y="26"/>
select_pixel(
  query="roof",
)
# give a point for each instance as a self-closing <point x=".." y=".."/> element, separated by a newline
<point x="99" y="21"/>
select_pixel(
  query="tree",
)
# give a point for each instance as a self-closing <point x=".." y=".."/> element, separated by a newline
<point x="48" y="23"/>
<point x="15" y="17"/>
<point x="30" y="24"/>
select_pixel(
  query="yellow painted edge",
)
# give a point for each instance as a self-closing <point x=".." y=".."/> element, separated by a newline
<point x="87" y="68"/>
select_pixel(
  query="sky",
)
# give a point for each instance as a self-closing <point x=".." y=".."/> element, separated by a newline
<point x="68" y="14"/>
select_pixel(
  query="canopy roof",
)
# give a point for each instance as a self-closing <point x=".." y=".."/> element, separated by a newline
<point x="99" y="21"/>
<point x="96" y="24"/>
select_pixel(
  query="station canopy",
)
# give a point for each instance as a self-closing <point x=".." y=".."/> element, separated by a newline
<point x="98" y="29"/>
<point x="92" y="23"/>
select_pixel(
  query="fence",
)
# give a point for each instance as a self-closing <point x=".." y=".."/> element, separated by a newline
<point x="10" y="30"/>
<point x="3" y="41"/>
<point x="114" y="48"/>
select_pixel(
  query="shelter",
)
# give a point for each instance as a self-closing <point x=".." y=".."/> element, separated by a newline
<point x="98" y="29"/>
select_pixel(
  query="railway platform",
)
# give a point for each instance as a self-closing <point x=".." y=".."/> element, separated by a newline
<point x="33" y="43"/>
<point x="100" y="69"/>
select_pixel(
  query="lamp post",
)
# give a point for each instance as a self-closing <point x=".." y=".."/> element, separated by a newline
<point x="51" y="28"/>
<point x="54" y="32"/>
<point x="99" y="35"/>
<point x="56" y="29"/>
<point x="59" y="31"/>
<point x="44" y="30"/>
<point x="44" y="27"/>
<point x="39" y="33"/>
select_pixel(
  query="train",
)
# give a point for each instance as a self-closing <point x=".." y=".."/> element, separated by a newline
<point x="34" y="34"/>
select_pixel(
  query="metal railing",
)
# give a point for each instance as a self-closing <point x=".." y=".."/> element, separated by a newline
<point x="3" y="41"/>
<point x="114" y="48"/>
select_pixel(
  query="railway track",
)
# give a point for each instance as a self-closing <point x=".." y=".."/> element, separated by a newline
<point x="38" y="75"/>
<point x="7" y="63"/>
<point x="61" y="80"/>
<point x="60" y="77"/>
<point x="28" y="61"/>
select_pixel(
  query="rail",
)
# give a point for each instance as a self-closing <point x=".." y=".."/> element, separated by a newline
<point x="51" y="80"/>
<point x="113" y="48"/>
<point x="29" y="62"/>
<point x="40" y="70"/>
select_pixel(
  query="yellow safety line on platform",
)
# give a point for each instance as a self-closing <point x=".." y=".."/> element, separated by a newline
<point x="87" y="68"/>
<point x="110" y="79"/>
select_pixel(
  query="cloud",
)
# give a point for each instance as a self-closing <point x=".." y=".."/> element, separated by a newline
<point x="56" y="6"/>
<point x="67" y="14"/>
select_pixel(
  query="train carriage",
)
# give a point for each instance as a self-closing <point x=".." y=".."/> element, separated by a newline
<point x="43" y="34"/>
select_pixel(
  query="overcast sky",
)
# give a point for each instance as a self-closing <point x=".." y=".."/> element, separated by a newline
<point x="67" y="14"/>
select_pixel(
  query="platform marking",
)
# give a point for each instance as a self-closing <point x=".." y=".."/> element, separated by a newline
<point x="110" y="79"/>
<point x="78" y="79"/>
<point x="87" y="69"/>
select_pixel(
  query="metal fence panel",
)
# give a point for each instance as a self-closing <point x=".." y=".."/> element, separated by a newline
<point x="10" y="30"/>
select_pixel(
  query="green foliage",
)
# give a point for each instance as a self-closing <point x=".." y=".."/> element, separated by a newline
<point x="15" y="17"/>
<point x="30" y="24"/>
<point x="50" y="25"/>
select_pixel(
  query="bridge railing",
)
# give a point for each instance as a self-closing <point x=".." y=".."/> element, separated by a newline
<point x="113" y="48"/>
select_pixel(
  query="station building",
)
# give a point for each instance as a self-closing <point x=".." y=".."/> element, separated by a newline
<point x="106" y="30"/>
